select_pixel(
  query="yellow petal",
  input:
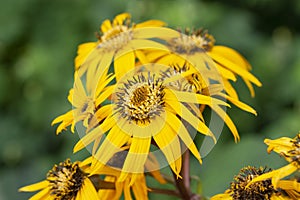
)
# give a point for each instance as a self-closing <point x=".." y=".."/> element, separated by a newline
<point x="106" y="25"/>
<point x="239" y="104"/>
<point x="136" y="157"/>
<point x="34" y="187"/>
<point x="42" y="195"/>
<point x="183" y="112"/>
<point x="83" y="52"/>
<point x="169" y="144"/>
<point x="184" y="135"/>
<point x="123" y="63"/>
<point x="146" y="44"/>
<point x="223" y="115"/>
<point x="112" y="144"/>
<point x="94" y="134"/>
<point x="150" y="23"/>
<point x="119" y="19"/>
<point x="235" y="68"/>
<point x="88" y="190"/>
<point x="222" y="197"/>
<point x="155" y="32"/>
<point x="229" y="89"/>
<point x="275" y="175"/>
<point x="193" y="98"/>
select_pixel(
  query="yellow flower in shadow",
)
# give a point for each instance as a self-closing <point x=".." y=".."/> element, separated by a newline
<point x="66" y="180"/>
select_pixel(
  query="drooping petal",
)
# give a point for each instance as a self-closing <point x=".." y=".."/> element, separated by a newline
<point x="88" y="190"/>
<point x="183" y="112"/>
<point x="184" y="135"/>
<point x="235" y="68"/>
<point x="224" y="116"/>
<point x="136" y="157"/>
<point x="169" y="144"/>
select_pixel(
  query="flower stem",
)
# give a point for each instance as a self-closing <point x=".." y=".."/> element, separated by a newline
<point x="183" y="185"/>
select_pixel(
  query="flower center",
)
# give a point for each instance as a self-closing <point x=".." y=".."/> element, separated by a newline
<point x="191" y="83"/>
<point x="192" y="42"/>
<point x="65" y="180"/>
<point x="295" y="153"/>
<point x="141" y="99"/>
<point x="262" y="190"/>
<point x="115" y="38"/>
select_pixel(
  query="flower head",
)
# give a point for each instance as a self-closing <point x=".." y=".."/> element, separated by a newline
<point x="66" y="180"/>
<point x="145" y="110"/>
<point x="240" y="189"/>
<point x="289" y="149"/>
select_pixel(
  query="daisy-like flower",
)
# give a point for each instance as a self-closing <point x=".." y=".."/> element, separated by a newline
<point x="210" y="62"/>
<point x="228" y="62"/>
<point x="196" y="83"/>
<point x="145" y="110"/>
<point x="86" y="103"/>
<point x="262" y="190"/>
<point x="289" y="148"/>
<point x="119" y="41"/>
<point x="66" y="180"/>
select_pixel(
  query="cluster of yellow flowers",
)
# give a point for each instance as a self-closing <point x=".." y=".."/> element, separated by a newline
<point x="139" y="94"/>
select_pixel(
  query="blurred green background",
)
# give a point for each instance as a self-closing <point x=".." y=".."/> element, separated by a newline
<point x="38" y="42"/>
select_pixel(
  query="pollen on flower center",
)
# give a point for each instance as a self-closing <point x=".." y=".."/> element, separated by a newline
<point x="262" y="190"/>
<point x="294" y="154"/>
<point x="141" y="99"/>
<point x="65" y="180"/>
<point x="192" y="42"/>
<point x="115" y="38"/>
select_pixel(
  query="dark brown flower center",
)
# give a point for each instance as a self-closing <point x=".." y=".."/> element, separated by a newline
<point x="65" y="180"/>
<point x="262" y="190"/>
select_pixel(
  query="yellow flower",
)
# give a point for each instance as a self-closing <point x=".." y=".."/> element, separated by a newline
<point x="120" y="41"/>
<point x="64" y="181"/>
<point x="210" y="62"/>
<point x="290" y="149"/>
<point x="144" y="108"/>
<point x="262" y="190"/>
<point x="86" y="103"/>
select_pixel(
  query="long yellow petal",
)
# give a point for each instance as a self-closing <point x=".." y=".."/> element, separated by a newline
<point x="183" y="112"/>
<point x="223" y="115"/>
<point x="112" y="144"/>
<point x="88" y="190"/>
<point x="150" y="23"/>
<point x="155" y="32"/>
<point x="169" y="144"/>
<point x="34" y="187"/>
<point x="136" y="157"/>
<point x="193" y="98"/>
<point x="184" y="135"/>
<point x="44" y="194"/>
<point x="235" y="68"/>
<point x="83" y="52"/>
<point x="146" y="44"/>
<point x="123" y="63"/>
<point x="94" y="134"/>
<point x="239" y="104"/>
